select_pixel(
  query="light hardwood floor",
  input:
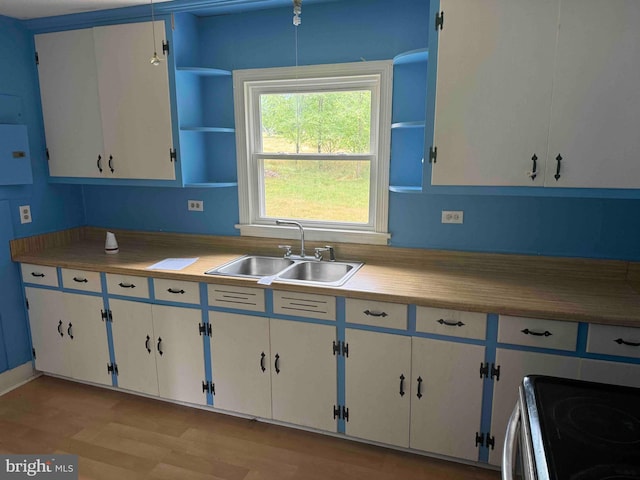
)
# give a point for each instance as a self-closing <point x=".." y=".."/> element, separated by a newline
<point x="121" y="436"/>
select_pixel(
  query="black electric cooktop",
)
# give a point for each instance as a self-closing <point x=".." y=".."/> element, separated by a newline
<point x="590" y="431"/>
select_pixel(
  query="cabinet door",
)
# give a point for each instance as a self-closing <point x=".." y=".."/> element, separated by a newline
<point x="596" y="105"/>
<point x="446" y="411"/>
<point x="134" y="346"/>
<point x="514" y="365"/>
<point x="179" y="353"/>
<point x="378" y="386"/>
<point x="134" y="100"/>
<point x="48" y="333"/>
<point x="70" y="103"/>
<point x="303" y="373"/>
<point x="87" y="338"/>
<point x="627" y="374"/>
<point x="493" y="94"/>
<point x="240" y="363"/>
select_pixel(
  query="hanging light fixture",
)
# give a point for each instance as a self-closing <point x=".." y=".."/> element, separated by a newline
<point x="155" y="60"/>
<point x="297" y="11"/>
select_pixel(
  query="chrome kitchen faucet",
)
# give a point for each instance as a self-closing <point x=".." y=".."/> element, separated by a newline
<point x="287" y="247"/>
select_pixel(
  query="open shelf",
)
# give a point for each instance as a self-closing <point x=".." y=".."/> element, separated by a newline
<point x="212" y="185"/>
<point x="208" y="129"/>
<point x="405" y="189"/>
<point x="407" y="125"/>
<point x="412" y="56"/>
<point x="205" y="71"/>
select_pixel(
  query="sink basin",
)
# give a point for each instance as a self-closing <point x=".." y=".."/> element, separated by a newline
<point x="320" y="273"/>
<point x="252" y="266"/>
<point x="287" y="270"/>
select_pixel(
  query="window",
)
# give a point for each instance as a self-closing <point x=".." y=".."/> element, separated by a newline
<point x="313" y="146"/>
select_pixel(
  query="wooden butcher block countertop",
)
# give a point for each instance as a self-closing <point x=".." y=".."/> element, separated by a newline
<point x="597" y="291"/>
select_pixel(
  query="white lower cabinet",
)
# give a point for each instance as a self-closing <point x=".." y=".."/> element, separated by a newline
<point x="179" y="353"/>
<point x="514" y="365"/>
<point x="274" y="368"/>
<point x="69" y="335"/>
<point x="414" y="392"/>
<point x="627" y="374"/>
<point x="240" y="362"/>
<point x="378" y="386"/>
<point x="158" y="350"/>
<point x="303" y="373"/>
<point x="446" y="397"/>
<point x="134" y="346"/>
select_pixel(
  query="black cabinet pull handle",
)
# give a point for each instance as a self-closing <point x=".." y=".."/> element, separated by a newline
<point x="442" y="321"/>
<point x="99" y="163"/>
<point x="110" y="163"/>
<point x="59" y="330"/>
<point x="419" y="394"/>
<point x="277" y="363"/>
<point x="262" y="367"/>
<point x="146" y="344"/>
<point x="557" y="175"/>
<point x="37" y="274"/>
<point x="534" y="171"/>
<point x="402" y="385"/>
<point x="69" y="331"/>
<point x="80" y="280"/>
<point x="158" y="346"/>
<point x="375" y="314"/>
<point x="127" y="285"/>
<point x="171" y="290"/>
<point x="546" y="333"/>
<point x="621" y="341"/>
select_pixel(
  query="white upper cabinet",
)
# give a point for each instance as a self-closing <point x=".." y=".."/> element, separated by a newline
<point x="134" y="100"/>
<point x="493" y="95"/>
<point x="70" y="103"/>
<point x="554" y="79"/>
<point x="596" y="101"/>
<point x="106" y="108"/>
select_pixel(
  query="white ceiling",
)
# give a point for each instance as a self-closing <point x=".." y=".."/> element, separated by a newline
<point x="26" y="9"/>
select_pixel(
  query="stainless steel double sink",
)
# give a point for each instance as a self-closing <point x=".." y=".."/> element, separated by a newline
<point x="299" y="270"/>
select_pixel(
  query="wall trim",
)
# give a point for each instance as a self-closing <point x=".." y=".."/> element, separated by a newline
<point x="16" y="377"/>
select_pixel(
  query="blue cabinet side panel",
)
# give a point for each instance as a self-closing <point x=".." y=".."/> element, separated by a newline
<point x="14" y="347"/>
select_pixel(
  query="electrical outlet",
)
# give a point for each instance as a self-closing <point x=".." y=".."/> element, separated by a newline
<point x="195" y="205"/>
<point x="452" y="216"/>
<point x="25" y="213"/>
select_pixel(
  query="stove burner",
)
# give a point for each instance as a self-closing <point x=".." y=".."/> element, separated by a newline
<point x="594" y="422"/>
<point x="609" y="472"/>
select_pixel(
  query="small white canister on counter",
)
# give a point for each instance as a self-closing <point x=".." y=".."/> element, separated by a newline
<point x="111" y="244"/>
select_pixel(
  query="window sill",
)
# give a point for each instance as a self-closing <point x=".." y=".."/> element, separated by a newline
<point x="315" y="234"/>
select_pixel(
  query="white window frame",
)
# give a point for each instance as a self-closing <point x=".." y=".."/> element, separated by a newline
<point x="376" y="76"/>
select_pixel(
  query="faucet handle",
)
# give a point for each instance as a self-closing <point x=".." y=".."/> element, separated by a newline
<point x="287" y="250"/>
<point x="326" y="248"/>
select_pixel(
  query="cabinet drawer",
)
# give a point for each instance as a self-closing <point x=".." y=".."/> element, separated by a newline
<point x="127" y="285"/>
<point x="81" y="280"/>
<point x="243" y="298"/>
<point x="376" y="314"/>
<point x="40" y="275"/>
<point x="534" y="332"/>
<point x="612" y="340"/>
<point x="451" y="322"/>
<point x="176" y="290"/>
<point x="304" y="305"/>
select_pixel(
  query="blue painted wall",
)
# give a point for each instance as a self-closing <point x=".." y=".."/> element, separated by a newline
<point x="52" y="207"/>
<point x="372" y="29"/>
